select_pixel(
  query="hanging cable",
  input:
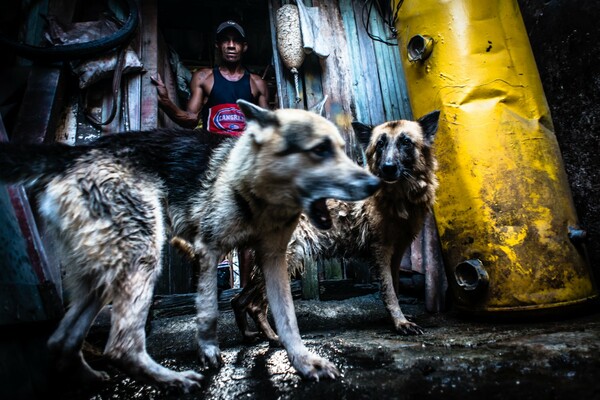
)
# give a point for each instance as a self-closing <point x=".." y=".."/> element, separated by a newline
<point x="389" y="19"/>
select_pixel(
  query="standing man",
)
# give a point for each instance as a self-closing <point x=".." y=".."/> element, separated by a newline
<point x="214" y="92"/>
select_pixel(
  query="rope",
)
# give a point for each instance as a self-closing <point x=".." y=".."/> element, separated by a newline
<point x="296" y="84"/>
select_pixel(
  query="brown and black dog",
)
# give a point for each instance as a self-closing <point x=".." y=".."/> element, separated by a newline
<point x="108" y="203"/>
<point x="378" y="229"/>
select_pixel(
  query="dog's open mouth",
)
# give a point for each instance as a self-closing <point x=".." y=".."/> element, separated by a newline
<point x="319" y="214"/>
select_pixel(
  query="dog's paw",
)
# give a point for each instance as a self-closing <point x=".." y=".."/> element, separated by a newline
<point x="79" y="370"/>
<point x="313" y="367"/>
<point x="249" y="336"/>
<point x="210" y="356"/>
<point x="274" y="342"/>
<point x="97" y="376"/>
<point x="186" y="381"/>
<point x="408" y="328"/>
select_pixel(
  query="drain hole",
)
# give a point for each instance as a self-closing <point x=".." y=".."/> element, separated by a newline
<point x="466" y="275"/>
<point x="470" y="275"/>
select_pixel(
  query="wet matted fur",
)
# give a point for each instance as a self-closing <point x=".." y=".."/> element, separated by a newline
<point x="378" y="229"/>
<point x="112" y="204"/>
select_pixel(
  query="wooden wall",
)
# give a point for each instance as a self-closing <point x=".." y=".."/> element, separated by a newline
<point x="362" y="78"/>
<point x="365" y="82"/>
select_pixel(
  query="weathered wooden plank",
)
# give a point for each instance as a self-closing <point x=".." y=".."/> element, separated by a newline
<point x="310" y="280"/>
<point x="133" y="90"/>
<point x="384" y="67"/>
<point x="402" y="105"/>
<point x="365" y="87"/>
<point x="337" y="75"/>
<point x="391" y="58"/>
<point x="331" y="268"/>
<point x="282" y="84"/>
<point x="313" y="85"/>
<point x="149" y="57"/>
<point x="405" y="111"/>
<point x="405" y="108"/>
<point x="436" y="282"/>
<point x="372" y="96"/>
<point x="361" y="109"/>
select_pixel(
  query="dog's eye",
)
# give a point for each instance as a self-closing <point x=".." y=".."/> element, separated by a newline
<point x="404" y="141"/>
<point x="323" y="149"/>
<point x="381" y="143"/>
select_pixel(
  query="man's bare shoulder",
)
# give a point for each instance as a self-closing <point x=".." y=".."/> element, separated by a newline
<point x="202" y="74"/>
<point x="255" y="77"/>
<point x="258" y="80"/>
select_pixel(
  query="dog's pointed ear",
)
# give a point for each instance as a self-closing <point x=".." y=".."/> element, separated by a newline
<point x="429" y="124"/>
<point x="264" y="118"/>
<point x="363" y="133"/>
<point x="319" y="108"/>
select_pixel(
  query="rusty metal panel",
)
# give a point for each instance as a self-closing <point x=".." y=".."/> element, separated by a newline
<point x="29" y="283"/>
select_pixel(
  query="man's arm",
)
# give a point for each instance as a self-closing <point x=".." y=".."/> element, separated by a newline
<point x="260" y="91"/>
<point x="186" y="118"/>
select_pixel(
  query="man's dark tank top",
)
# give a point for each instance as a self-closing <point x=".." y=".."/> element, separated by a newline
<point x="220" y="113"/>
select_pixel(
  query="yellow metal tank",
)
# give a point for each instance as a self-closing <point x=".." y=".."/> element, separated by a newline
<point x="509" y="230"/>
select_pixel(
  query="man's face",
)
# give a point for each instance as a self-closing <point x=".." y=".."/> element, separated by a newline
<point x="231" y="45"/>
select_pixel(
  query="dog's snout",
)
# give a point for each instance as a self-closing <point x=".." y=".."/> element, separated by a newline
<point x="389" y="171"/>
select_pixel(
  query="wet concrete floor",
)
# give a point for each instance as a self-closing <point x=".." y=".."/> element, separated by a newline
<point x="456" y="358"/>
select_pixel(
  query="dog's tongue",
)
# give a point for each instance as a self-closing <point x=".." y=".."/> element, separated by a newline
<point x="319" y="214"/>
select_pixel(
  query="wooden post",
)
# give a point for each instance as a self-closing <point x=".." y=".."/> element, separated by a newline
<point x="150" y="59"/>
<point x="332" y="268"/>
<point x="436" y="283"/>
<point x="310" y="280"/>
<point x="285" y="87"/>
<point x="336" y="71"/>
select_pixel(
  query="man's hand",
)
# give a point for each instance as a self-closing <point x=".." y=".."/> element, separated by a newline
<point x="161" y="89"/>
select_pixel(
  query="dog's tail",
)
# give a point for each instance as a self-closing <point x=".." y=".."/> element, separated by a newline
<point x="28" y="162"/>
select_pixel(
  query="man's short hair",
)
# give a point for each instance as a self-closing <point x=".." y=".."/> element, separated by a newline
<point x="230" y="25"/>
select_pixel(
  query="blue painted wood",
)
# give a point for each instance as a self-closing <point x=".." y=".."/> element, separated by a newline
<point x="387" y="77"/>
<point x="358" y="64"/>
<point x="379" y="89"/>
<point x="399" y="104"/>
<point x="370" y="95"/>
